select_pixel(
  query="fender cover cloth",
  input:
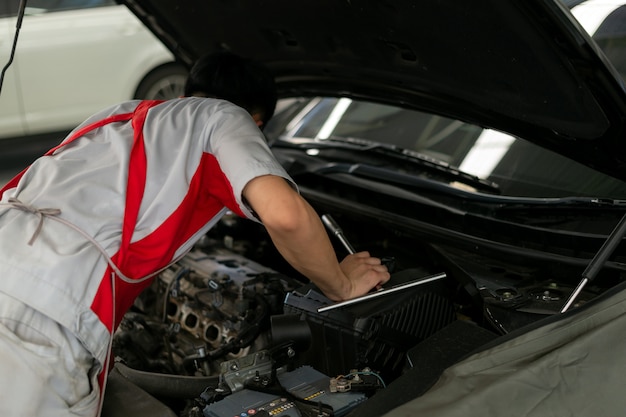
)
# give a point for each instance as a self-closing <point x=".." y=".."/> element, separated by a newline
<point x="573" y="365"/>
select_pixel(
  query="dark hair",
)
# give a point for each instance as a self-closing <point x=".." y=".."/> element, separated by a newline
<point x="239" y="80"/>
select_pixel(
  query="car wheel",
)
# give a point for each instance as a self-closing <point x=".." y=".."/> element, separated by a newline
<point x="163" y="83"/>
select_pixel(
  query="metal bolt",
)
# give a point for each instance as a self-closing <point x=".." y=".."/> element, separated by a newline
<point x="291" y="352"/>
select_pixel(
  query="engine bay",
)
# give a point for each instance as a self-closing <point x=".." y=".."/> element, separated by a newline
<point x="232" y="319"/>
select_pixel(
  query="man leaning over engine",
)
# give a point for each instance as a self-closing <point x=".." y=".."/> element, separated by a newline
<point x="86" y="227"/>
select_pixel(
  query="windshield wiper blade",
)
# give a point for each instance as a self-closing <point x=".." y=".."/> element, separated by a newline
<point x="503" y="202"/>
<point x="431" y="164"/>
<point x="400" y="178"/>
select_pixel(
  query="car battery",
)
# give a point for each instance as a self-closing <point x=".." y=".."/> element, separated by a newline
<point x="303" y="383"/>
<point x="375" y="333"/>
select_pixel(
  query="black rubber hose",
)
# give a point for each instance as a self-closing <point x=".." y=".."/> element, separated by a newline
<point x="165" y="385"/>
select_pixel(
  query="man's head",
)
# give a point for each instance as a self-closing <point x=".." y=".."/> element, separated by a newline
<point x="241" y="81"/>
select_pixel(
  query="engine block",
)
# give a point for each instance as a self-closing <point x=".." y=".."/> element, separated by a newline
<point x="213" y="306"/>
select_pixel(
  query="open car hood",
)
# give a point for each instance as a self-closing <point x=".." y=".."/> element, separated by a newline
<point x="523" y="67"/>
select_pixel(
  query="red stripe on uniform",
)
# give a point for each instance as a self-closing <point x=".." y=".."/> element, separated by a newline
<point x="83" y="131"/>
<point x="209" y="191"/>
<point x="102" y="304"/>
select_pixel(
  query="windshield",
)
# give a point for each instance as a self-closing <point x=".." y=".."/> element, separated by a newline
<point x="518" y="167"/>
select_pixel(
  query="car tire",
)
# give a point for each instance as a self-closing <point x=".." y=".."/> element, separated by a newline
<point x="163" y="83"/>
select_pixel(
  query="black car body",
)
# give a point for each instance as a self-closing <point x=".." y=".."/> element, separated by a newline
<point x="384" y="102"/>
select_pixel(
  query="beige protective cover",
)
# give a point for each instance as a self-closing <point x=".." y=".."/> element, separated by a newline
<point x="575" y="366"/>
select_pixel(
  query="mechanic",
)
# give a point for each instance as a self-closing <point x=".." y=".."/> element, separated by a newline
<point x="86" y="227"/>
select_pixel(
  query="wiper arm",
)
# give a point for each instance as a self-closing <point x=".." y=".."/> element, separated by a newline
<point x="503" y="202"/>
<point x="399" y="178"/>
<point x="431" y="164"/>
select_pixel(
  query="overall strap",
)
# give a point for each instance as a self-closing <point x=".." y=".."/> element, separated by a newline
<point x="136" y="181"/>
<point x="137" y="171"/>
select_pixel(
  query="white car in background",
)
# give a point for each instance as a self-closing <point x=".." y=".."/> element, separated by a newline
<point x="73" y="58"/>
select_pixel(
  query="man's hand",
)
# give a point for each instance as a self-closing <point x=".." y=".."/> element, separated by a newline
<point x="299" y="235"/>
<point x="365" y="272"/>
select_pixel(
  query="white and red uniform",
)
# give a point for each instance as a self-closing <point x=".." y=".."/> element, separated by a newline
<point x="145" y="180"/>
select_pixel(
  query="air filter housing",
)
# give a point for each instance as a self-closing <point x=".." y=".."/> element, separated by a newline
<point x="375" y="333"/>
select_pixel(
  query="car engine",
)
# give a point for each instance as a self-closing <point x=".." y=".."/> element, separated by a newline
<point x="218" y="329"/>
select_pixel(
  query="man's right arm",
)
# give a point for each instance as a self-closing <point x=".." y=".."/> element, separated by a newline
<point x="299" y="235"/>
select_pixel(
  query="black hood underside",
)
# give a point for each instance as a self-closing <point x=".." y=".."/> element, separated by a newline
<point x="523" y="67"/>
